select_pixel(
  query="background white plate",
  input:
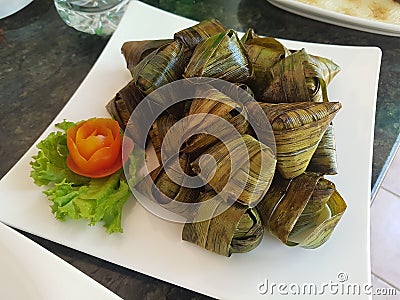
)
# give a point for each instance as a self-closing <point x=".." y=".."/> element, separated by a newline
<point x="153" y="246"/>
<point x="8" y="7"/>
<point x="336" y="18"/>
<point x="28" y="271"/>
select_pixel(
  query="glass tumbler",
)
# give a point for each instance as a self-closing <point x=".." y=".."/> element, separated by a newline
<point x="95" y="17"/>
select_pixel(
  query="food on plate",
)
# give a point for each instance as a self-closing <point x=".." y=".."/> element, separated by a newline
<point x="193" y="35"/>
<point x="248" y="185"/>
<point x="387" y="11"/>
<point x="135" y="51"/>
<point x="128" y="98"/>
<point x="324" y="160"/>
<point x="238" y="229"/>
<point x="291" y="206"/>
<point x="203" y="114"/>
<point x="159" y="130"/>
<point x="298" y="129"/>
<point x="261" y="162"/>
<point x="162" y="66"/>
<point x="263" y="52"/>
<point x="220" y="56"/>
<point x="250" y="171"/>
<point x="94" y="149"/>
<point x="169" y="193"/>
<point x="124" y="103"/>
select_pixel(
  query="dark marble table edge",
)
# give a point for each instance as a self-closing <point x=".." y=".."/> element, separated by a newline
<point x="64" y="252"/>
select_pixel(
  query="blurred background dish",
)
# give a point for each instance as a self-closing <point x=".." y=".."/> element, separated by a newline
<point x="8" y="7"/>
<point x="28" y="271"/>
<point x="381" y="17"/>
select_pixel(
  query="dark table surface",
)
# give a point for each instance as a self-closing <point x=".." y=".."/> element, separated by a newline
<point x="43" y="61"/>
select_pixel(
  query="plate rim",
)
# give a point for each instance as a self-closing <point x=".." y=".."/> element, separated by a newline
<point x="336" y="18"/>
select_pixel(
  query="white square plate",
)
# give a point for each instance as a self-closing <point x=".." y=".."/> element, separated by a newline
<point x="28" y="271"/>
<point x="153" y="246"/>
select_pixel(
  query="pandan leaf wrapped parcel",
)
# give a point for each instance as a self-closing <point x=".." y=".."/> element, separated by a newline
<point x="248" y="186"/>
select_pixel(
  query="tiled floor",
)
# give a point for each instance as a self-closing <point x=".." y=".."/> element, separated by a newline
<point x="385" y="234"/>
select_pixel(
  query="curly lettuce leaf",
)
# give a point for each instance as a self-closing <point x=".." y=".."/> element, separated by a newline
<point x="49" y="165"/>
<point x="101" y="200"/>
<point x="65" y="125"/>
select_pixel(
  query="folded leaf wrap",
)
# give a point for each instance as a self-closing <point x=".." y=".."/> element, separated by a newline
<point x="237" y="229"/>
<point x="298" y="129"/>
<point x="240" y="170"/>
<point x="289" y="200"/>
<point x="192" y="36"/>
<point x="221" y="56"/>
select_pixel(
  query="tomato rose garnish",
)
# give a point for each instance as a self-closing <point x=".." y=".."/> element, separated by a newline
<point x="95" y="147"/>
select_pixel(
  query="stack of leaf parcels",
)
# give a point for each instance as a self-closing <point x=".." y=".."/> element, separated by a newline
<point x="284" y="191"/>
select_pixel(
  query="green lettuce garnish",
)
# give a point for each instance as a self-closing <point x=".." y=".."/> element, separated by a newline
<point x="74" y="196"/>
<point x="100" y="200"/>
